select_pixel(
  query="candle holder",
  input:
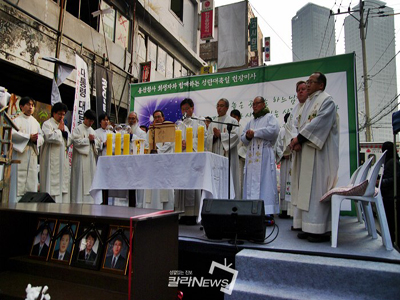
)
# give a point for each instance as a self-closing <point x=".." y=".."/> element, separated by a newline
<point x="110" y="129"/>
<point x="118" y="128"/>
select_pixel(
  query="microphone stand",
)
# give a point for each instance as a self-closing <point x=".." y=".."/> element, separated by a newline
<point x="229" y="127"/>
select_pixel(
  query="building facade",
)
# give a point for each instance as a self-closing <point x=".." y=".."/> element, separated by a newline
<point x="126" y="37"/>
<point x="209" y="49"/>
<point x="381" y="68"/>
<point x="313" y="33"/>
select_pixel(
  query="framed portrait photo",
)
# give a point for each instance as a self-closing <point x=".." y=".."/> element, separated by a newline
<point x="43" y="238"/>
<point x="116" y="255"/>
<point x="89" y="246"/>
<point x="64" y="240"/>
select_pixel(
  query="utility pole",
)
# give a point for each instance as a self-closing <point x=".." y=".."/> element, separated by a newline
<point x="365" y="72"/>
<point x="363" y="25"/>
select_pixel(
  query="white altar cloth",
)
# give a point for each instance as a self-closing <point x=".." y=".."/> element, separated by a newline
<point x="184" y="171"/>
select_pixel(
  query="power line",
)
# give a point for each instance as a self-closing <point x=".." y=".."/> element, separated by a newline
<point x="326" y="29"/>
<point x="387" y="47"/>
<point x="372" y="76"/>
<point x="387" y="90"/>
<point x="388" y="105"/>
<point x="252" y="6"/>
<point x="330" y="39"/>
<point x="383" y="115"/>
<point x="323" y="39"/>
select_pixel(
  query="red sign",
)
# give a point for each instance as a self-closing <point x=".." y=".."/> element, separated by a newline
<point x="146" y="71"/>
<point x="253" y="61"/>
<point x="207" y="25"/>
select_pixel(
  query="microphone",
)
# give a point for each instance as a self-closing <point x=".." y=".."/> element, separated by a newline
<point x="184" y="116"/>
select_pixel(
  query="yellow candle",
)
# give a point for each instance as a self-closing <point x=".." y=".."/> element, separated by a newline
<point x="126" y="144"/>
<point x="189" y="139"/>
<point x="178" y="141"/>
<point x="118" y="143"/>
<point x="200" y="139"/>
<point x="109" y="144"/>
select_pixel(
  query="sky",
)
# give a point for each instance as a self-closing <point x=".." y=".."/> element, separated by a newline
<point x="275" y="21"/>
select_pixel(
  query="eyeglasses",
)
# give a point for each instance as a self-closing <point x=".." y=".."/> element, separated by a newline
<point x="256" y="103"/>
<point x="221" y="105"/>
<point x="310" y="82"/>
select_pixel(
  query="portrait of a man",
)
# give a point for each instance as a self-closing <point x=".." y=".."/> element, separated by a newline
<point x="62" y="253"/>
<point x="42" y="240"/>
<point x="87" y="251"/>
<point x="117" y="260"/>
<point x="65" y="237"/>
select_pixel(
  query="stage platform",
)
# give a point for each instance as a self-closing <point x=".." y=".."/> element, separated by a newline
<point x="286" y="260"/>
<point x="353" y="242"/>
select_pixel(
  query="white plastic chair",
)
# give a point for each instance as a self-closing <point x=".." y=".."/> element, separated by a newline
<point x="360" y="175"/>
<point x="373" y="195"/>
<point x="366" y="199"/>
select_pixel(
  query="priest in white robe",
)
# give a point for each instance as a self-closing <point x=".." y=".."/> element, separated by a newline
<point x="218" y="141"/>
<point x="101" y="134"/>
<point x="136" y="134"/>
<point x="163" y="198"/>
<point x="242" y="149"/>
<point x="188" y="201"/>
<point x="259" y="135"/>
<point x="54" y="161"/>
<point x="316" y="172"/>
<point x="282" y="157"/>
<point x="136" y="131"/>
<point x="26" y="144"/>
<point x="292" y="130"/>
<point x="85" y="149"/>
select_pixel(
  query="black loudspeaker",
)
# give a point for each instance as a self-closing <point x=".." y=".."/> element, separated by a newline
<point x="33" y="197"/>
<point x="242" y="219"/>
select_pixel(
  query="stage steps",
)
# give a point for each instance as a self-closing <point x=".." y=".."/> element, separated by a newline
<point x="272" y="275"/>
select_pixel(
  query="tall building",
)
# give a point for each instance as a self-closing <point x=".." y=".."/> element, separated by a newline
<point x="381" y="67"/>
<point x="313" y="33"/>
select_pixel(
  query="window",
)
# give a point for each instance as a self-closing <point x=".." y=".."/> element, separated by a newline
<point x="161" y="60"/>
<point x="177" y="8"/>
<point x="122" y="29"/>
<point x="152" y="52"/>
<point x="83" y="11"/>
<point x="116" y="25"/>
<point x="140" y="47"/>
<point x="184" y="72"/>
<point x="177" y="69"/>
<point x="108" y="21"/>
<point x="169" y="69"/>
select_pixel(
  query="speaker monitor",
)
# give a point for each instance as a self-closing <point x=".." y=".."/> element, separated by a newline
<point x="33" y="197"/>
<point x="242" y="219"/>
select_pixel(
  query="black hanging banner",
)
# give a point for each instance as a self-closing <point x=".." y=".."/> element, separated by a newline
<point x="396" y="122"/>
<point x="103" y="90"/>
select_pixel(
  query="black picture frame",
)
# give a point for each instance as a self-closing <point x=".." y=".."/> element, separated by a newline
<point x="118" y="238"/>
<point x="96" y="233"/>
<point x="64" y="239"/>
<point x="47" y="226"/>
